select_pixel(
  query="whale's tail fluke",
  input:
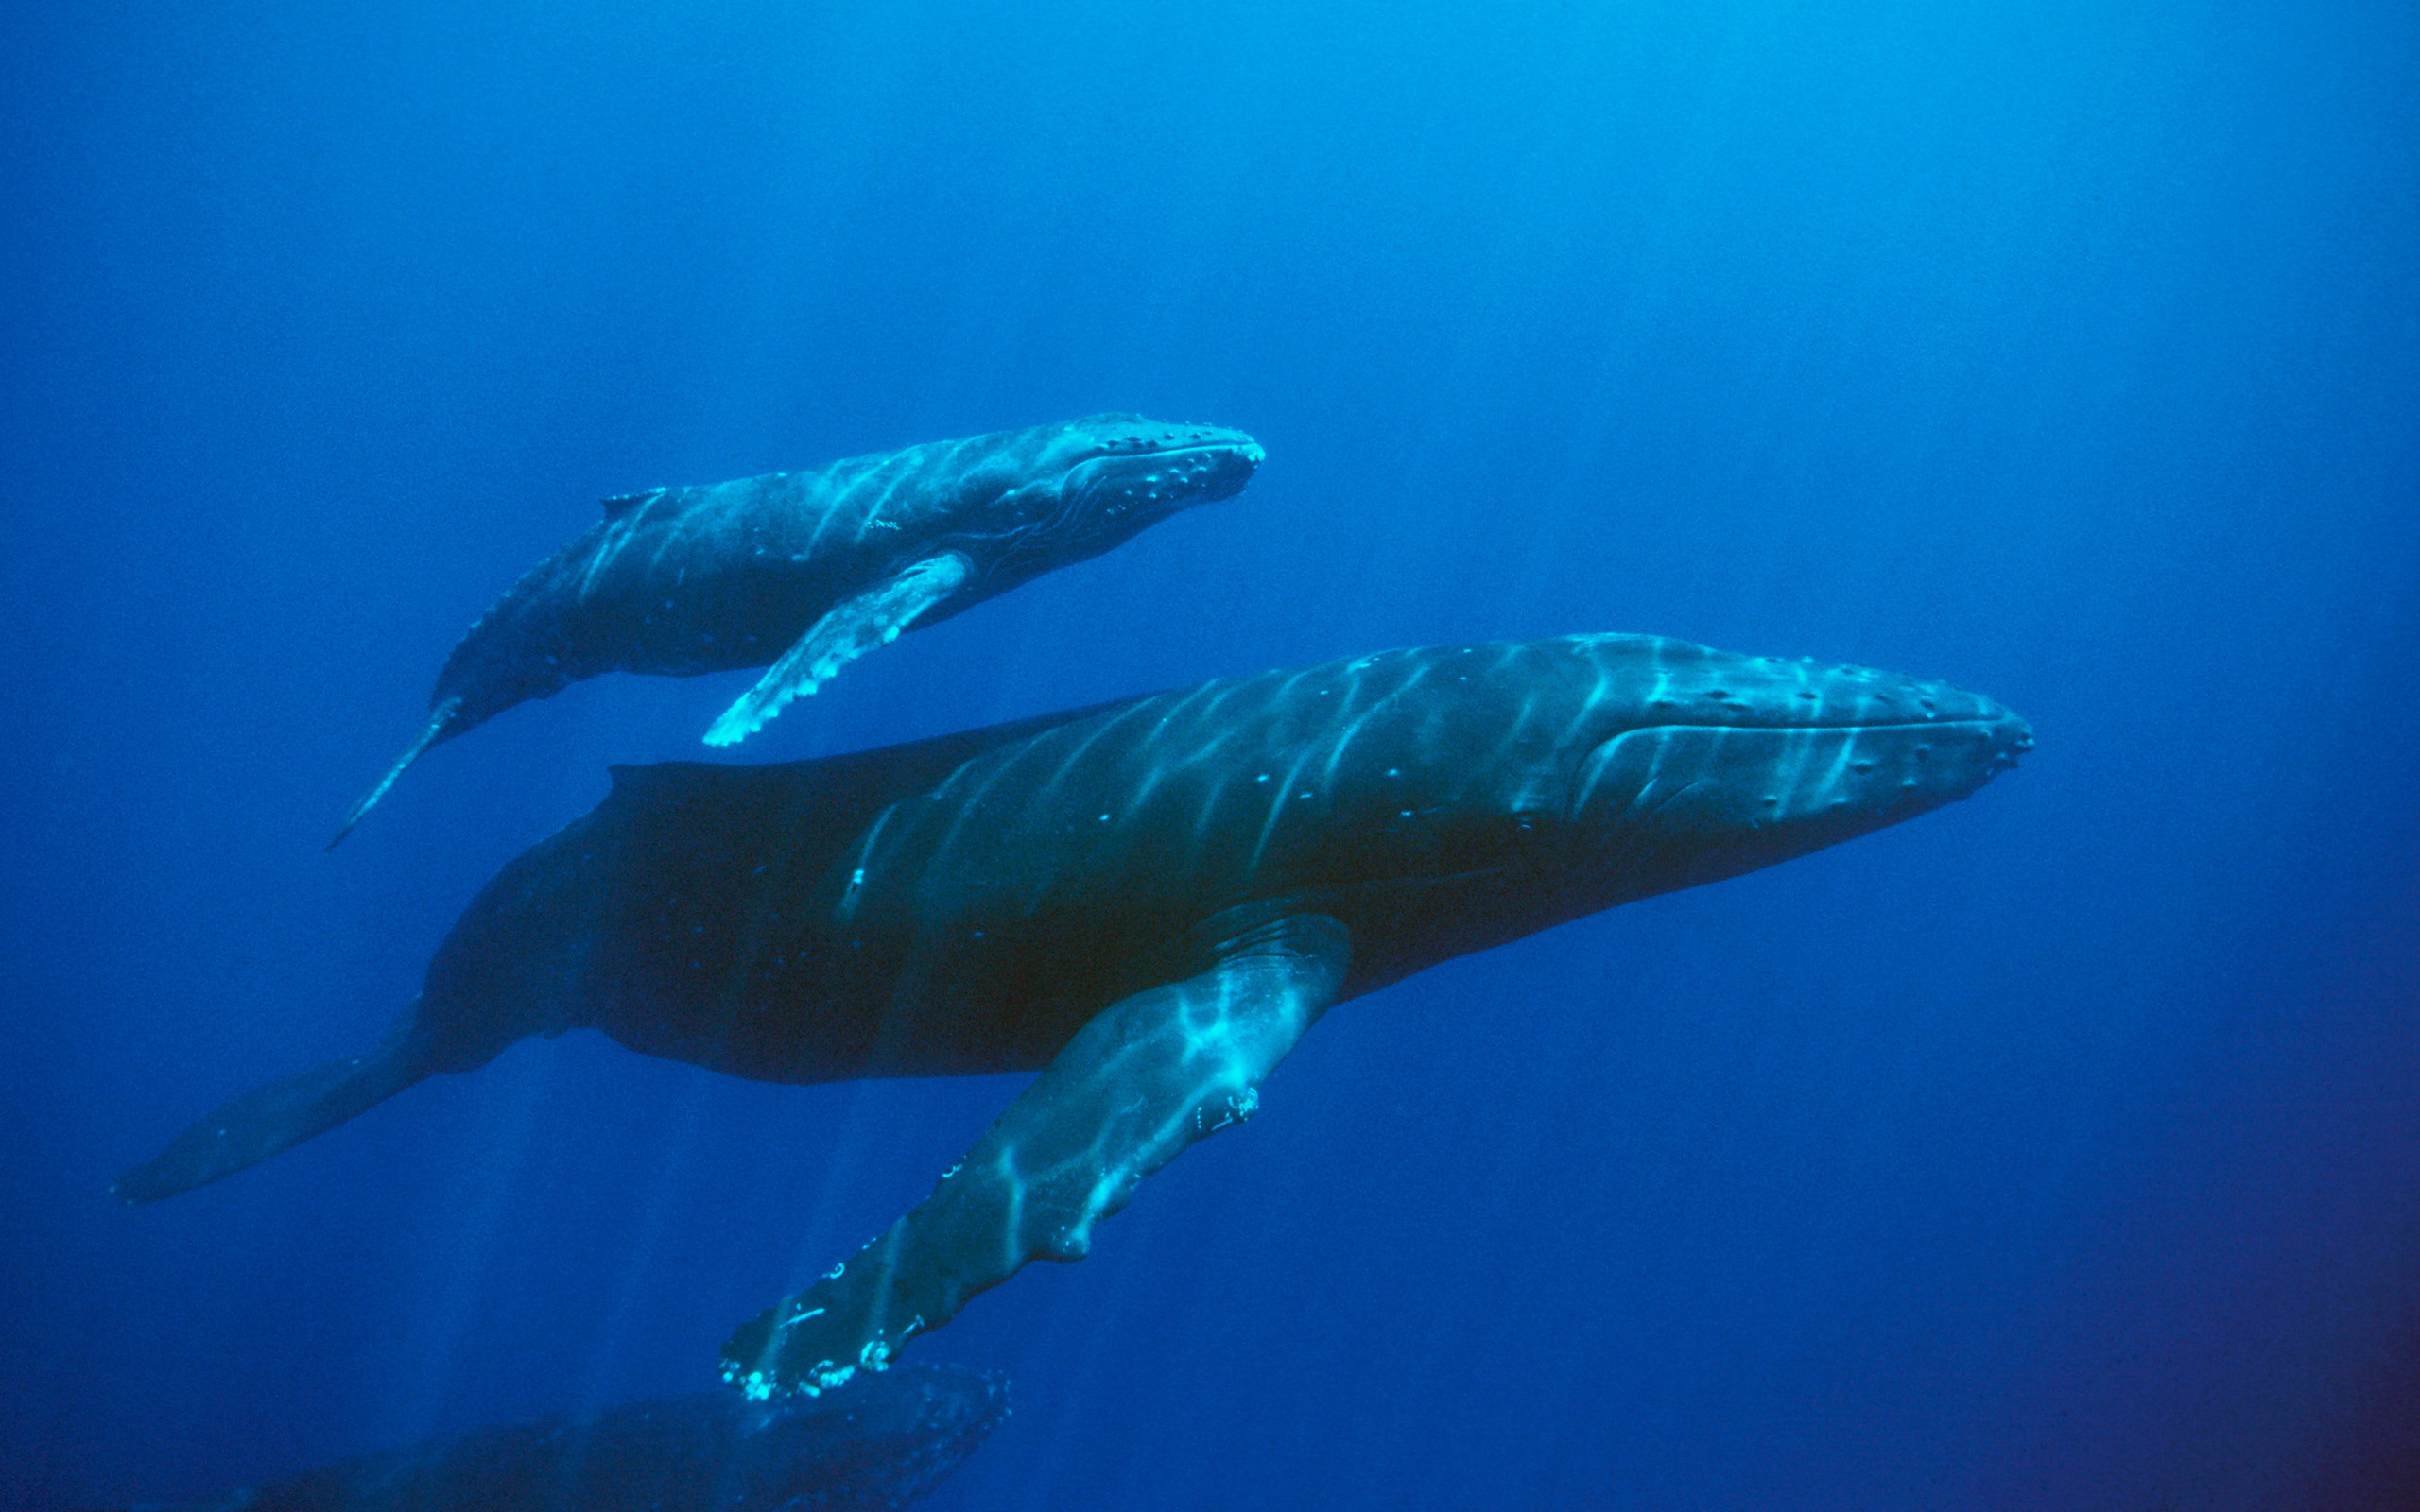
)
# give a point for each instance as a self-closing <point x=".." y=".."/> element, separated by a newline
<point x="286" y="1111"/>
<point x="440" y="720"/>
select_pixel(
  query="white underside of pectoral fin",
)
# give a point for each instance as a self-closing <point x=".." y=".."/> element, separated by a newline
<point x="1161" y="1069"/>
<point x="1146" y="1077"/>
<point x="853" y="628"/>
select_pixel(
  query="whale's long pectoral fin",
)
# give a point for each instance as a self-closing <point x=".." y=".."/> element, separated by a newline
<point x="1141" y="1080"/>
<point x="846" y="632"/>
<point x="285" y="1112"/>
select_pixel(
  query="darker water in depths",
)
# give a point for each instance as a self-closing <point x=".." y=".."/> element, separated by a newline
<point x="2053" y="1150"/>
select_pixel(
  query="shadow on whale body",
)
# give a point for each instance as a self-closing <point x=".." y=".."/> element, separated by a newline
<point x="881" y="1444"/>
<point x="802" y="573"/>
<point x="1147" y="902"/>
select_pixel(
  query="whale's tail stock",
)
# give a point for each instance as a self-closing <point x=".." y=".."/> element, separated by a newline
<point x="285" y="1112"/>
<point x="440" y="719"/>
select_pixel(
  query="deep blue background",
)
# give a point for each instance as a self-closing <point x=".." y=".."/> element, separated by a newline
<point x="2055" y="1150"/>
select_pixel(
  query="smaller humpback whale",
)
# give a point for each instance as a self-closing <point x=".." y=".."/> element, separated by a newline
<point x="809" y="570"/>
<point x="1147" y="902"/>
<point x="882" y="1443"/>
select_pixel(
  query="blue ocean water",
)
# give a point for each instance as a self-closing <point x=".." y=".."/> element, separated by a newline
<point x="2053" y="1150"/>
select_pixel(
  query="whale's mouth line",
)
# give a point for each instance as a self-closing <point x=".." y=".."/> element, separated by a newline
<point x="1250" y="451"/>
<point x="1970" y="752"/>
<point x="2003" y="739"/>
<point x="1985" y="726"/>
<point x="1198" y="473"/>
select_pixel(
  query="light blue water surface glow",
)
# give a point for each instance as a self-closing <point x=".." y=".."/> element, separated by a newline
<point x="2055" y="1150"/>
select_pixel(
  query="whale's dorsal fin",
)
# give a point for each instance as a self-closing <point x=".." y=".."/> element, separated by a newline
<point x="850" y="786"/>
<point x="622" y="504"/>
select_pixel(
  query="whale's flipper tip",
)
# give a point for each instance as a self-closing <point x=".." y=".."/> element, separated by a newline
<point x="846" y="632"/>
<point x="440" y="720"/>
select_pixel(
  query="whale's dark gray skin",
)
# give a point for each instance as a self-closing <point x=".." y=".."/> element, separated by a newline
<point x="1149" y="900"/>
<point x="881" y="1443"/>
<point x="809" y="570"/>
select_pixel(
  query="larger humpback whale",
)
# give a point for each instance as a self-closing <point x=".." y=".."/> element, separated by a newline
<point x="876" y="1447"/>
<point x="809" y="570"/>
<point x="1149" y="902"/>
